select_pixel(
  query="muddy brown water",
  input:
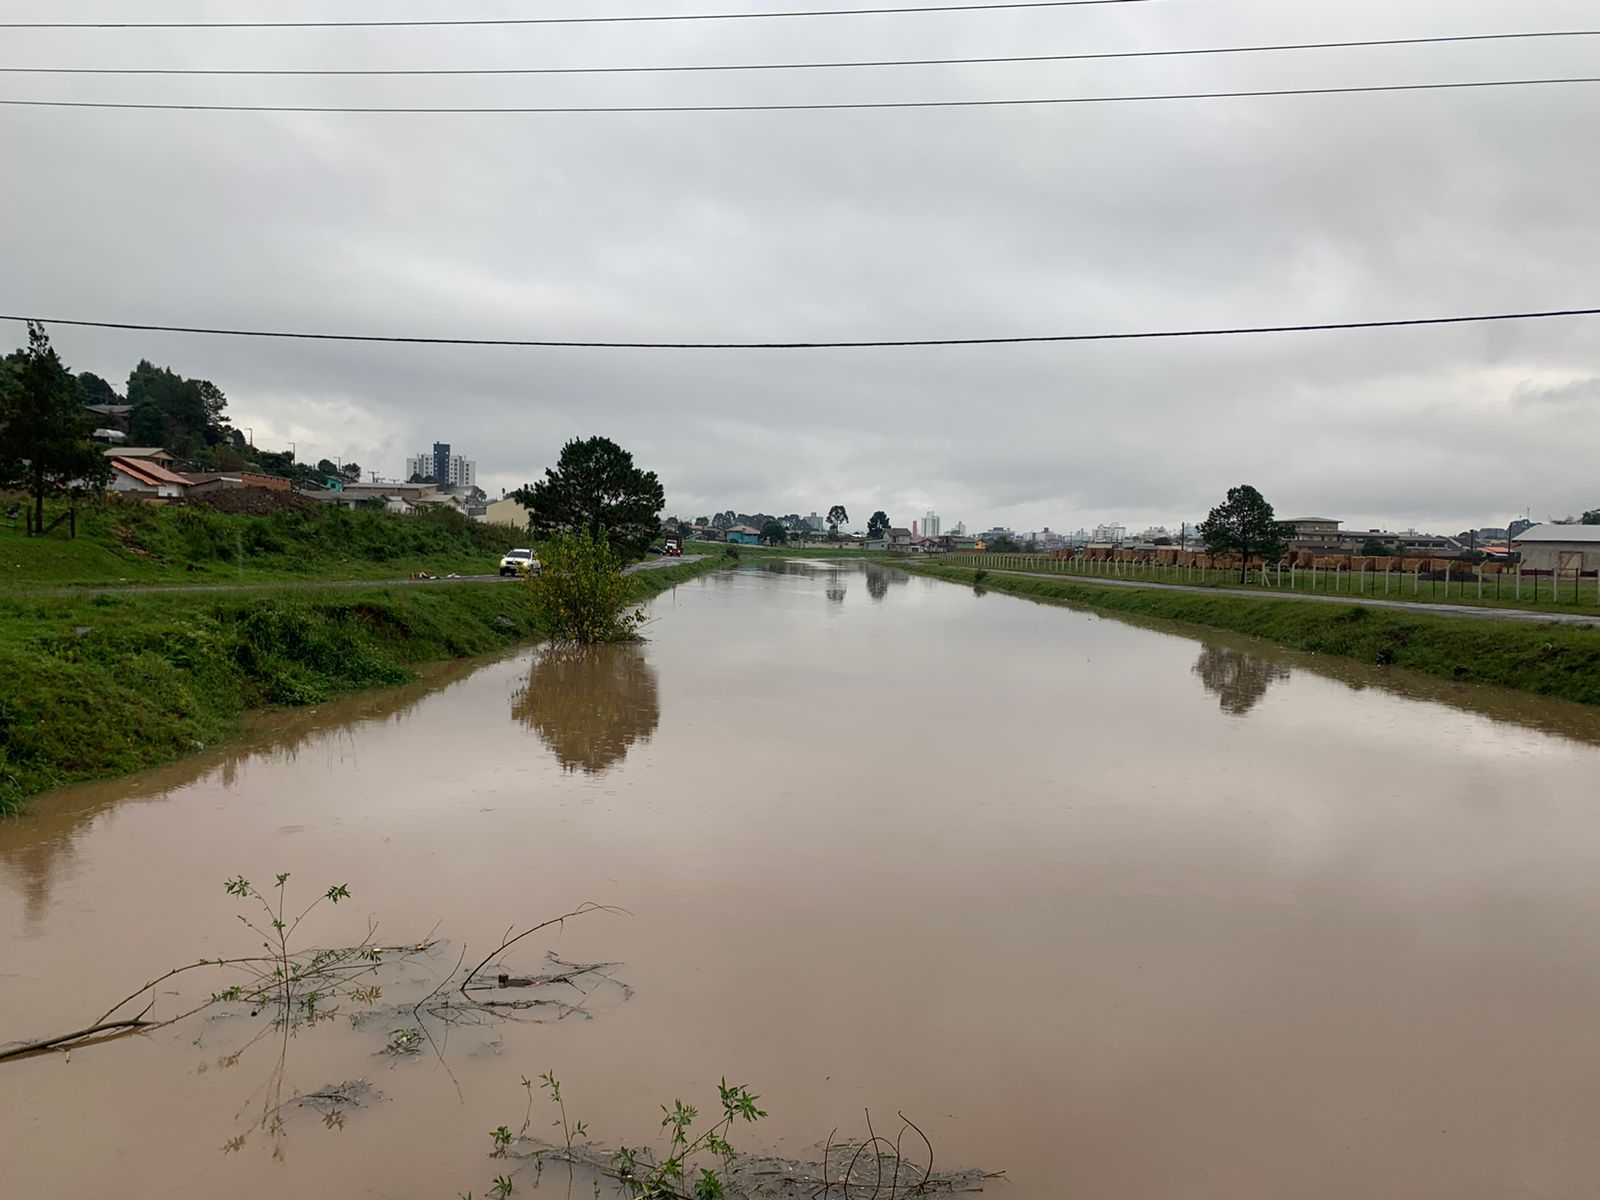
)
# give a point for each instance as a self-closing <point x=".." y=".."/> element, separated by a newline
<point x="1120" y="911"/>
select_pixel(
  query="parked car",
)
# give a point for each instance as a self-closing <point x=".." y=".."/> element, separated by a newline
<point x="519" y="562"/>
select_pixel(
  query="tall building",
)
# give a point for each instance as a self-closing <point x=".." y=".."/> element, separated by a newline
<point x="444" y="468"/>
<point x="930" y="524"/>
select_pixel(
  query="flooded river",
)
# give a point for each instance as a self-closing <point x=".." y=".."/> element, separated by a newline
<point x="1118" y="911"/>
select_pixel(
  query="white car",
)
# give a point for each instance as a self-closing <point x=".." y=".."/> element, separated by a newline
<point x="519" y="562"/>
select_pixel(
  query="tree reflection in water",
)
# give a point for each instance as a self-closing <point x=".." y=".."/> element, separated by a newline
<point x="1239" y="680"/>
<point x="877" y="581"/>
<point x="589" y="704"/>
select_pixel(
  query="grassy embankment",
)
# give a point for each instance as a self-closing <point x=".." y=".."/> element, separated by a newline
<point x="1548" y="660"/>
<point x="101" y="685"/>
<point x="1541" y="594"/>
<point x="134" y="543"/>
<point x="757" y="553"/>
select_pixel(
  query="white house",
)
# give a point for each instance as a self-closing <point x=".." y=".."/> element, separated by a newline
<point x="147" y="479"/>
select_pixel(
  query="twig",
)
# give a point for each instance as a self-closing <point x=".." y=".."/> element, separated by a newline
<point x="61" y="1039"/>
<point x="928" y="1174"/>
<point x="507" y="941"/>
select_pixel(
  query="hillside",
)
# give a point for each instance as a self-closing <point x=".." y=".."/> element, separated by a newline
<point x="131" y="542"/>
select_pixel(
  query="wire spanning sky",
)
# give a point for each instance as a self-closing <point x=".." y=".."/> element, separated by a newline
<point x="824" y="226"/>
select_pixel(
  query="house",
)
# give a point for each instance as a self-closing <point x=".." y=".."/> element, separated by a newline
<point x="898" y="539"/>
<point x="153" y="453"/>
<point x="146" y="479"/>
<point x="927" y="545"/>
<point x="507" y="512"/>
<point x="352" y="495"/>
<point x="744" y="535"/>
<point x="955" y="542"/>
<point x="1564" y="548"/>
<point x="455" y="503"/>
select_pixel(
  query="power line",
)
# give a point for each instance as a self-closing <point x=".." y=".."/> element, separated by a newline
<point x="1166" y="334"/>
<point x="618" y="20"/>
<point x="1366" y="89"/>
<point x="810" y="66"/>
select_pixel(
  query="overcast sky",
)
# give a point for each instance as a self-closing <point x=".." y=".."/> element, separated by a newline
<point x="853" y="225"/>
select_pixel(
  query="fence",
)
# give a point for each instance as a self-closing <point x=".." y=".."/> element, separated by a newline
<point x="1466" y="584"/>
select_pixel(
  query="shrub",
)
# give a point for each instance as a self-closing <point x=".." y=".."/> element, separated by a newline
<point x="580" y="594"/>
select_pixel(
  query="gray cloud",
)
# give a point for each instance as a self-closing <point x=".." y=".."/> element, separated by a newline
<point x="859" y="225"/>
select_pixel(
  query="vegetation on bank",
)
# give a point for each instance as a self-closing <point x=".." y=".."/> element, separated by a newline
<point x="134" y="542"/>
<point x="1497" y="589"/>
<point x="96" y="686"/>
<point x="1560" y="661"/>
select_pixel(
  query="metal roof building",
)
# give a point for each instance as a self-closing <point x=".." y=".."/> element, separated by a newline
<point x="1559" y="547"/>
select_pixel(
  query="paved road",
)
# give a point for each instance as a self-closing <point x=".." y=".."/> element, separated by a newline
<point x="1258" y="593"/>
<point x="317" y="584"/>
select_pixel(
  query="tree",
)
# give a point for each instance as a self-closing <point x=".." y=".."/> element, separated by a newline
<point x="327" y="468"/>
<point x="1004" y="544"/>
<point x="94" y="390"/>
<point x="878" y="524"/>
<point x="580" y="594"/>
<point x="1244" y="524"/>
<point x="1374" y="548"/>
<point x="837" y="517"/>
<point x="1592" y="517"/>
<point x="594" y="486"/>
<point x="351" y="471"/>
<point x="45" y="434"/>
<point x="774" y="534"/>
<point x="183" y="415"/>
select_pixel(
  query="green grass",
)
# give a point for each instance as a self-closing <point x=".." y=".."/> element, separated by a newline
<point x="137" y="543"/>
<point x="1498" y="591"/>
<point x="101" y="685"/>
<point x="759" y="552"/>
<point x="1560" y="661"/>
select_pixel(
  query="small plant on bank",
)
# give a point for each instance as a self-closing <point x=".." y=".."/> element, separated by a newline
<point x="551" y="1084"/>
<point x="581" y="594"/>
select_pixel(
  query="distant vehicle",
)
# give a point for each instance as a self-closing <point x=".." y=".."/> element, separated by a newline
<point x="519" y="562"/>
<point x="674" y="547"/>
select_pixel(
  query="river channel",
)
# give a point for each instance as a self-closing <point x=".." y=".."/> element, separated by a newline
<point x="1118" y="910"/>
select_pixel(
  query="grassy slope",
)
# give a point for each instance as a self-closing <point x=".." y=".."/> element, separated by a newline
<point x="1548" y="660"/>
<point x="94" y="686"/>
<point x="140" y="543"/>
<point x="1402" y="586"/>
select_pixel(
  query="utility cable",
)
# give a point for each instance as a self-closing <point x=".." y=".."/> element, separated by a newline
<point x="1366" y="89"/>
<point x="614" y="20"/>
<point x="1150" y="335"/>
<point x="809" y="66"/>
